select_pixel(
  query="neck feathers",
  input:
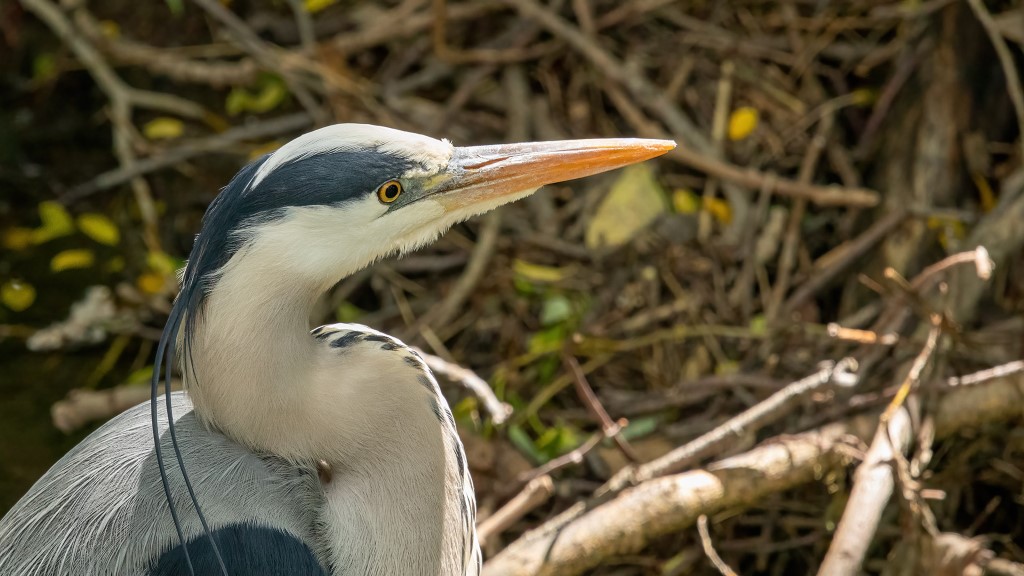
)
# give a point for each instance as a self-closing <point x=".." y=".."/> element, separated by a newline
<point x="406" y="479"/>
<point x="400" y="495"/>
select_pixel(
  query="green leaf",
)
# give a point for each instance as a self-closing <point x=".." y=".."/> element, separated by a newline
<point x="521" y="440"/>
<point x="555" y="310"/>
<point x="348" y="312"/>
<point x="547" y="368"/>
<point x="115" y="264"/>
<point x="727" y="368"/>
<point x="641" y="427"/>
<point x="557" y="440"/>
<point x="523" y="286"/>
<point x="44" y="67"/>
<point x="758" y="325"/>
<point x="466" y="409"/>
<point x="270" y="92"/>
<point x="141" y="376"/>
<point x="539" y="274"/>
<point x="548" y="340"/>
<point x="177" y="7"/>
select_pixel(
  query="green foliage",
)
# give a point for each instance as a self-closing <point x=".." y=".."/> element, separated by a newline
<point x="522" y="441"/>
<point x="141" y="376"/>
<point x="551" y="442"/>
<point x="556" y="309"/>
<point x="348" y="312"/>
<point x="177" y="7"/>
<point x="270" y="92"/>
<point x="44" y="67"/>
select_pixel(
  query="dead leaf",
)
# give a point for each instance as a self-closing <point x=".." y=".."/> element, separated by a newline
<point x="635" y="200"/>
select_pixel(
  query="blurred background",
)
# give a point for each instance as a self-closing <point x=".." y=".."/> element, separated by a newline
<point x="839" y="164"/>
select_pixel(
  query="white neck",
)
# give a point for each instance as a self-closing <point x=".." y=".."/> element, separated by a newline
<point x="398" y="498"/>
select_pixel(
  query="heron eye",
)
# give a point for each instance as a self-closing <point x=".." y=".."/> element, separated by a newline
<point x="389" y="191"/>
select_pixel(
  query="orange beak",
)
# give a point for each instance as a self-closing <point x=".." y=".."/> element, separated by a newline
<point x="485" y="175"/>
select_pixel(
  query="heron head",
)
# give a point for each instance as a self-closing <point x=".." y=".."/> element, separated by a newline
<point x="334" y="200"/>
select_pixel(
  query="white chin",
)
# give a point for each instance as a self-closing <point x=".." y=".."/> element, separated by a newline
<point x="430" y="232"/>
<point x="466" y="212"/>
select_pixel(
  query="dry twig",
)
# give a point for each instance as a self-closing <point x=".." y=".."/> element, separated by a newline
<point x="535" y="493"/>
<point x="498" y="410"/>
<point x="709" y="547"/>
<point x="875" y="477"/>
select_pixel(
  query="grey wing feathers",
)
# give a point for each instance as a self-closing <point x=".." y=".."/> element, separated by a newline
<point x="101" y="509"/>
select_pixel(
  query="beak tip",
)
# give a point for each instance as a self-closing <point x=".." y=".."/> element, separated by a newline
<point x="656" y="148"/>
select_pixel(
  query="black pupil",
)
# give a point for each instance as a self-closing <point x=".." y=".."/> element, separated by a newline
<point x="390" y="191"/>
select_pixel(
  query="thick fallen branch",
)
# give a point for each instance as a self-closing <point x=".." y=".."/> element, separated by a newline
<point x="722" y="437"/>
<point x="81" y="407"/>
<point x="637" y="516"/>
<point x="626" y="524"/>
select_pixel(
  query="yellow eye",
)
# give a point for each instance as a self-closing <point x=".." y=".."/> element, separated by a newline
<point x="389" y="191"/>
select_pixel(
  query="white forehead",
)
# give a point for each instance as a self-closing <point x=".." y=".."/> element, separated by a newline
<point x="422" y="150"/>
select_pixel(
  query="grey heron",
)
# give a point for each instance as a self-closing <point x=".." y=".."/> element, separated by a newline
<point x="267" y="399"/>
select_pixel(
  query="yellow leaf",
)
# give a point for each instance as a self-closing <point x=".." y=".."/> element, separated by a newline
<point x="864" y="96"/>
<point x="17" y="295"/>
<point x="759" y="325"/>
<point x="110" y="29"/>
<point x="537" y="272"/>
<point x="18" y="239"/>
<point x="985" y="193"/>
<point x="150" y="283"/>
<point x="99" y="228"/>
<point x="56" y="223"/>
<point x="951" y="233"/>
<point x="685" y="201"/>
<point x="718" y="208"/>
<point x="742" y="122"/>
<point x="634" y="201"/>
<point x="163" y="128"/>
<point x="314" y="6"/>
<point x="726" y="368"/>
<point x="71" y="259"/>
<point x="162" y="263"/>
